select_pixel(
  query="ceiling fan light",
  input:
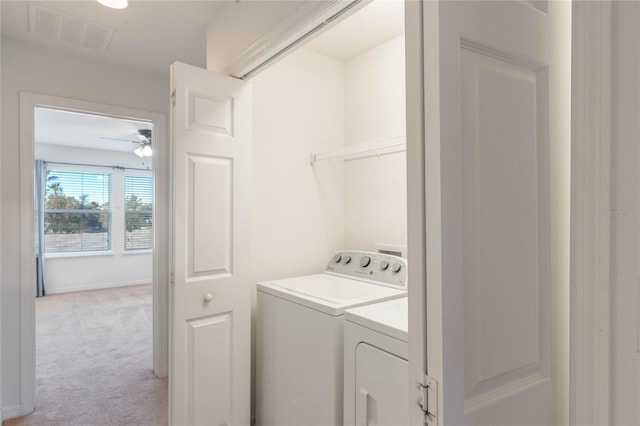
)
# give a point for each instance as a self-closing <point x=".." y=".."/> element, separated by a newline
<point x="147" y="151"/>
<point x="139" y="151"/>
<point x="114" y="4"/>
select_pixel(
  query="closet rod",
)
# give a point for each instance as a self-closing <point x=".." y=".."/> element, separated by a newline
<point x="375" y="148"/>
<point x="97" y="165"/>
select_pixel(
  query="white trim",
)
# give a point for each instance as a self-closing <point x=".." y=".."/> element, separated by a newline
<point x="133" y="252"/>
<point x="1" y="415"/>
<point x="28" y="101"/>
<point x="414" y="71"/>
<point x="97" y="287"/>
<point x="559" y="14"/>
<point x="11" y="412"/>
<point x="27" y="256"/>
<point x="279" y="41"/>
<point x="590" y="228"/>
<point x="64" y="255"/>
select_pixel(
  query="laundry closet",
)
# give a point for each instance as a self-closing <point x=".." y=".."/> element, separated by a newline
<point x="329" y="194"/>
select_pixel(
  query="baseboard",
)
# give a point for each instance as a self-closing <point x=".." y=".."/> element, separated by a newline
<point x="11" y="412"/>
<point x="95" y="287"/>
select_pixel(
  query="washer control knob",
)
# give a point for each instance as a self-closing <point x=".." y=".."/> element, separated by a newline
<point x="384" y="265"/>
<point x="396" y="267"/>
<point x="365" y="261"/>
<point x="346" y="260"/>
<point x="337" y="259"/>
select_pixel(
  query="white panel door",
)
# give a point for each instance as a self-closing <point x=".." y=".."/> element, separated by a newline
<point x="211" y="173"/>
<point x="486" y="214"/>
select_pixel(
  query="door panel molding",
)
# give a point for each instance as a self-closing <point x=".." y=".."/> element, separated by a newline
<point x="209" y="226"/>
<point x="210" y="114"/>
<point x="500" y="55"/>
<point x="209" y="346"/>
<point x="505" y="292"/>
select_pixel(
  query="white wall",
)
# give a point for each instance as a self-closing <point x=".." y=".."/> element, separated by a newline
<point x="625" y="201"/>
<point x="311" y="103"/>
<point x="375" y="206"/>
<point x="86" y="271"/>
<point x="297" y="209"/>
<point x="26" y="67"/>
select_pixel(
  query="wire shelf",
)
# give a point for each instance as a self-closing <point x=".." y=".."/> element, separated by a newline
<point x="363" y="150"/>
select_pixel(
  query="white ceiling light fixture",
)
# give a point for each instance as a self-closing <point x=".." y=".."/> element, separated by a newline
<point x="144" y="146"/>
<point x="114" y="4"/>
<point x="143" y="150"/>
<point x="138" y="152"/>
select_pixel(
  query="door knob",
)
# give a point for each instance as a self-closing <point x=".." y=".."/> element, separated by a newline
<point x="208" y="297"/>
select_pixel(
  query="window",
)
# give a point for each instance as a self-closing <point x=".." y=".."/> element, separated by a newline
<point x="77" y="212"/>
<point x="138" y="203"/>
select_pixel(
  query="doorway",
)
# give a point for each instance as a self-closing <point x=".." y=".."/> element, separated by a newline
<point x="94" y="228"/>
<point x="94" y="201"/>
<point x="31" y="105"/>
<point x="537" y="319"/>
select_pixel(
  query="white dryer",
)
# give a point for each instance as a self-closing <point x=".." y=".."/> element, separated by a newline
<point x="300" y="336"/>
<point x="376" y="370"/>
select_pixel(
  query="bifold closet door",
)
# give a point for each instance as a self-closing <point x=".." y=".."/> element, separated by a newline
<point x="211" y="174"/>
<point x="485" y="335"/>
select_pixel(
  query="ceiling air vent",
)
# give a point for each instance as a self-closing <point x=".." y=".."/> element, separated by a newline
<point x="69" y="29"/>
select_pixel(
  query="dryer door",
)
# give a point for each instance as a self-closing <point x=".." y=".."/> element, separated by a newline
<point x="382" y="391"/>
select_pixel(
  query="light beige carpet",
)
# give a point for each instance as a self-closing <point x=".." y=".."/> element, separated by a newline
<point x="94" y="360"/>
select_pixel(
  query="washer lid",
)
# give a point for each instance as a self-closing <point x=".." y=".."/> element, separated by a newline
<point x="390" y="318"/>
<point x="327" y="293"/>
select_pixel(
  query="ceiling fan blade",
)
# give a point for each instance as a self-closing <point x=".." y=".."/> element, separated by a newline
<point x="123" y="140"/>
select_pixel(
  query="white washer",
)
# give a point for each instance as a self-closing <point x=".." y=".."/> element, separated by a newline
<point x="300" y="336"/>
<point x="376" y="370"/>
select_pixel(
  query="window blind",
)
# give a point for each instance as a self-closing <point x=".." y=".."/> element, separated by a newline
<point x="138" y="200"/>
<point x="77" y="213"/>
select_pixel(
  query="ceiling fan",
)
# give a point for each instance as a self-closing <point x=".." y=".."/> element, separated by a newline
<point x="144" y="143"/>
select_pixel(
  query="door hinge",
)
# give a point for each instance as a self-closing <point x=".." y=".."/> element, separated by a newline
<point x="428" y="399"/>
<point x="172" y="278"/>
<point x="173" y="98"/>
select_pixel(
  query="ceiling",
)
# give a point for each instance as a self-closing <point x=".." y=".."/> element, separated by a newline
<point x="149" y="35"/>
<point x="58" y="127"/>
<point x="374" y="24"/>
